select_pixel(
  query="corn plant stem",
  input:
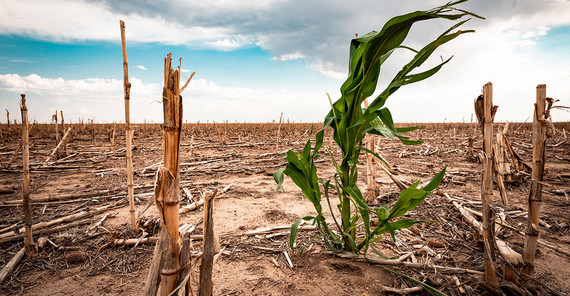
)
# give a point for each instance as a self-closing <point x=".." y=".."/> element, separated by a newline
<point x="345" y="201"/>
<point x="128" y="131"/>
<point x="31" y="247"/>
<point x="345" y="215"/>
<point x="333" y="214"/>
<point x="535" y="195"/>
<point x="486" y="187"/>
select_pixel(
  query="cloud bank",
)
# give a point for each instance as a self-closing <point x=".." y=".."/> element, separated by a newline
<point x="203" y="100"/>
<point x="316" y="30"/>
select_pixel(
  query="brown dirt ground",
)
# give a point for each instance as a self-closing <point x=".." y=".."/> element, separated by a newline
<point x="84" y="260"/>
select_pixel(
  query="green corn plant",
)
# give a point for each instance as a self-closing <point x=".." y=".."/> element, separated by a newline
<point x="351" y="122"/>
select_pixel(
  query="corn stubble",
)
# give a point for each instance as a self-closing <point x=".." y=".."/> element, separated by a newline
<point x="167" y="254"/>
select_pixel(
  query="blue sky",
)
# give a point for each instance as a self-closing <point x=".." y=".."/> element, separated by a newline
<point x="255" y="59"/>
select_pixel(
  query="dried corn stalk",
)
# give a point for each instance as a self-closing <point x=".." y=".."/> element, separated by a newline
<point x="129" y="134"/>
<point x="31" y="247"/>
<point x="486" y="120"/>
<point x="539" y="129"/>
<point x="168" y="183"/>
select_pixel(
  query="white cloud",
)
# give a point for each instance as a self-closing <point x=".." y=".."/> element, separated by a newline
<point x="141" y="67"/>
<point x="315" y="30"/>
<point x="97" y="98"/>
<point x="326" y="68"/>
<point x="289" y="57"/>
<point x="102" y="99"/>
<point x="36" y="84"/>
<point x="69" y="20"/>
<point x="229" y="44"/>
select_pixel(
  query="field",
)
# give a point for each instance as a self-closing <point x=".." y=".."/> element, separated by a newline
<point x="86" y="255"/>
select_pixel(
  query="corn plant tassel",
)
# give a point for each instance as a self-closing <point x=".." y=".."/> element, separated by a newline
<point x="31" y="247"/>
<point x="487" y="187"/>
<point x="128" y="132"/>
<point x="535" y="197"/>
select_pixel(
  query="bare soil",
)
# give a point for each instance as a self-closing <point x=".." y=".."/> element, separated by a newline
<point x="84" y="259"/>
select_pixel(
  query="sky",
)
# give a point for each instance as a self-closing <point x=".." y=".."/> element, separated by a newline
<point x="257" y="58"/>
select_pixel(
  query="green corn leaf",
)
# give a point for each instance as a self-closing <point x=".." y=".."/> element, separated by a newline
<point x="382" y="130"/>
<point x="382" y="213"/>
<point x="375" y="155"/>
<point x="408" y="79"/>
<point x="417" y="61"/>
<point x="305" y="246"/>
<point x="409" y="128"/>
<point x="415" y="185"/>
<point x="407" y="141"/>
<point x="327" y="185"/>
<point x="375" y="239"/>
<point x="301" y="181"/>
<point x="409" y="199"/>
<point x="408" y="48"/>
<point x="354" y="161"/>
<point x="391" y="230"/>
<point x="361" y="204"/>
<point x="279" y="178"/>
<point x="431" y="290"/>
<point x="436" y="180"/>
<point x="318" y="142"/>
<point x="333" y="159"/>
<point x="353" y="221"/>
<point x="307" y="148"/>
<point x="293" y="234"/>
<point x="380" y="254"/>
<point x="393" y="226"/>
<point x="351" y="241"/>
<point x="386" y="118"/>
